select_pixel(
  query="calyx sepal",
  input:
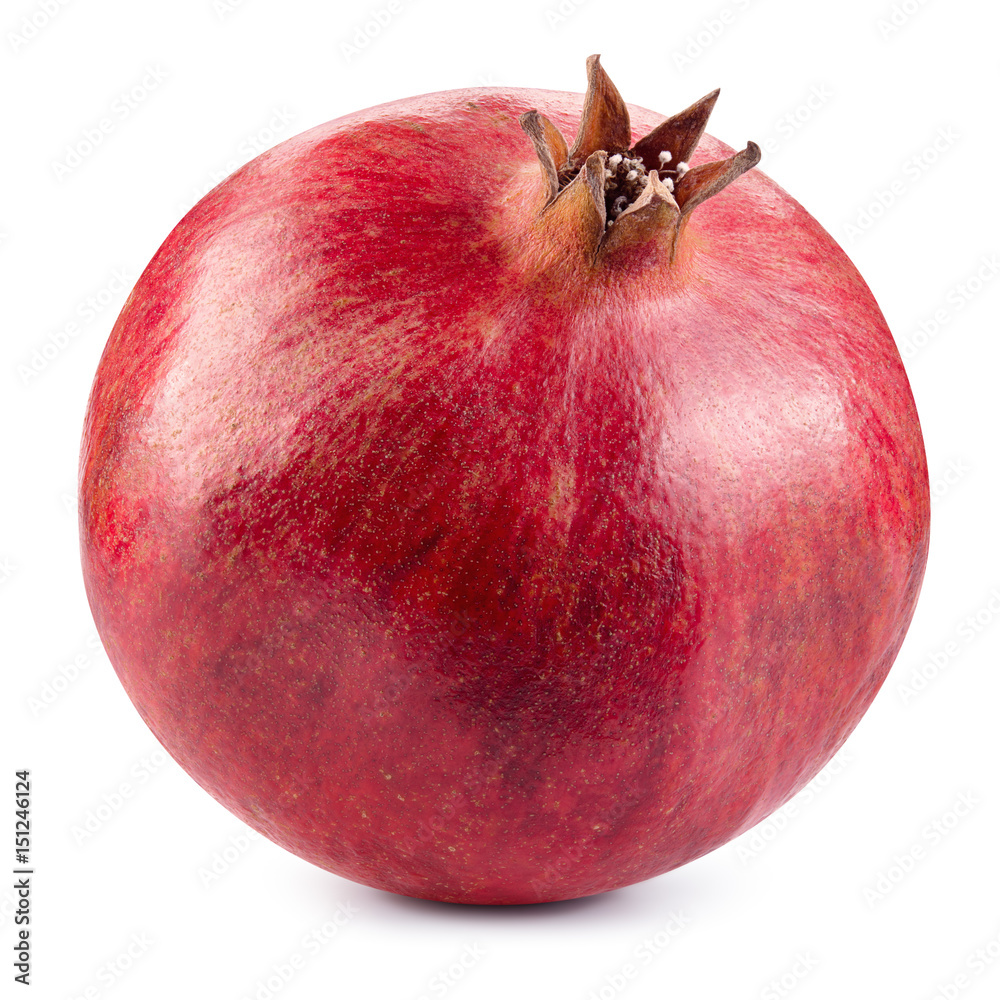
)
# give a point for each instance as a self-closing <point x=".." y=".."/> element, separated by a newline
<point x="617" y="194"/>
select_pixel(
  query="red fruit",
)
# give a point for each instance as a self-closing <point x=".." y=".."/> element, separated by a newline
<point x="474" y="541"/>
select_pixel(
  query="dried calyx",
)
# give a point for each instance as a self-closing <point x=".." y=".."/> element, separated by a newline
<point x="622" y="193"/>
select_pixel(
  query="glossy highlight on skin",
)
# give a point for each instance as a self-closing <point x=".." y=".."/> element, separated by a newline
<point x="464" y="567"/>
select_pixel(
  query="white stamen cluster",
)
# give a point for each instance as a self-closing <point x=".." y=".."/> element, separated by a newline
<point x="626" y="179"/>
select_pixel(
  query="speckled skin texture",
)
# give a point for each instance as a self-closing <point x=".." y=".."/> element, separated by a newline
<point x="467" y="570"/>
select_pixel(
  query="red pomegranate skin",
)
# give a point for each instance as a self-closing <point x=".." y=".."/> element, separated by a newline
<point x="464" y="569"/>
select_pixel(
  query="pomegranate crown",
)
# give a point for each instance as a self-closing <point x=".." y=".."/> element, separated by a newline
<point x="622" y="193"/>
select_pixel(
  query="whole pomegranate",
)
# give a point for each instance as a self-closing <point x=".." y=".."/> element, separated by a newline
<point x="494" y="520"/>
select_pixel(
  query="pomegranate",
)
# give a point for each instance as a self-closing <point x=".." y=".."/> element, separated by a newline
<point x="491" y="519"/>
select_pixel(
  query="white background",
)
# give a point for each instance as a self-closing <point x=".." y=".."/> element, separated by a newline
<point x="900" y="142"/>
